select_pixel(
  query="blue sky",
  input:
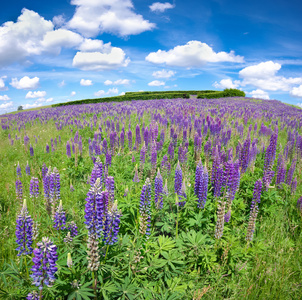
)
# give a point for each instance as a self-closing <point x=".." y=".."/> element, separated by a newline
<point x="56" y="51"/>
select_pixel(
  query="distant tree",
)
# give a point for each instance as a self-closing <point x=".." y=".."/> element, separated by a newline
<point x="20" y="107"/>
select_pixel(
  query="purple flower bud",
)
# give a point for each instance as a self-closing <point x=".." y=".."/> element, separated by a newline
<point x="27" y="169"/>
<point x="34" y="187"/>
<point x="158" y="191"/>
<point x="31" y="150"/>
<point x="60" y="218"/>
<point x="68" y="150"/>
<point x="178" y="179"/>
<point x="19" y="170"/>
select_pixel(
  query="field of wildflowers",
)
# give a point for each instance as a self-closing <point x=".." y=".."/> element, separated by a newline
<point x="160" y="199"/>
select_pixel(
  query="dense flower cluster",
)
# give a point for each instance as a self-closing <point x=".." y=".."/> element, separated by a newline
<point x="145" y="208"/>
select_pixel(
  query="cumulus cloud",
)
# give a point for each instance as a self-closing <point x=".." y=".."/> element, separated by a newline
<point x="259" y="94"/>
<point x="101" y="93"/>
<point x="22" y="38"/>
<point x="117" y="82"/>
<point x="122" y="93"/>
<point x="49" y="100"/>
<point x="6" y="105"/>
<point x="4" y="98"/>
<point x="163" y="74"/>
<point x="72" y="93"/>
<point x="2" y="84"/>
<point x="108" y="82"/>
<point x="161" y="7"/>
<point x="96" y="61"/>
<point x="93" y="17"/>
<point x="35" y="94"/>
<point x="90" y="45"/>
<point x="85" y="82"/>
<point x="25" y="83"/>
<point x="263" y="76"/>
<point x="192" y="55"/>
<point x="296" y="91"/>
<point x="156" y="83"/>
<point x="58" y="21"/>
<point x="226" y="84"/>
<point x="53" y="41"/>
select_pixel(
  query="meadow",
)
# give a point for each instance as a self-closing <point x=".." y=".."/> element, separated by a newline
<point x="158" y="199"/>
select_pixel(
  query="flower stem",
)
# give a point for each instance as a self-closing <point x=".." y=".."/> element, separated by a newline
<point x="106" y="252"/>
<point x="94" y="282"/>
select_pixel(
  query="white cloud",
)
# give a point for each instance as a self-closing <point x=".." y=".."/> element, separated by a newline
<point x="25" y="83"/>
<point x="6" y="105"/>
<point x="2" y="84"/>
<point x="109" y="92"/>
<point x="226" y="84"/>
<point x="259" y="94"/>
<point x="260" y="71"/>
<point x="122" y="93"/>
<point x="192" y="55"/>
<point x="28" y="105"/>
<point x="117" y="82"/>
<point x="35" y="94"/>
<point x="53" y="41"/>
<point x="72" y="93"/>
<point x="58" y="21"/>
<point x="49" y="100"/>
<point x="108" y="82"/>
<point x="93" y="17"/>
<point x="97" y="61"/>
<point x="296" y="91"/>
<point x="161" y="7"/>
<point x="263" y="76"/>
<point x="22" y="38"/>
<point x="4" y="98"/>
<point x="299" y="104"/>
<point x="90" y="45"/>
<point x="163" y="74"/>
<point x="62" y="83"/>
<point x="156" y="83"/>
<point x="85" y="82"/>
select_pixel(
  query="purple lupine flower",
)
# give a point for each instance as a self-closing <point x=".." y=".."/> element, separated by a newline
<point x="136" y="177"/>
<point x="182" y="195"/>
<point x="271" y="152"/>
<point x="47" y="148"/>
<point x="178" y="179"/>
<point x="95" y="209"/>
<point x="290" y="173"/>
<point x="34" y="295"/>
<point x="165" y="189"/>
<point x="158" y="191"/>
<point x="145" y="209"/>
<point x="44" y="268"/>
<point x="166" y="166"/>
<point x="146" y="136"/>
<point x="122" y="138"/>
<point x="105" y="146"/>
<point x="97" y="172"/>
<point x="143" y="154"/>
<point x="245" y="154"/>
<point x="130" y="139"/>
<point x="201" y="185"/>
<point x="19" y="190"/>
<point x="31" y="150"/>
<point x="55" y="185"/>
<point x="19" y="170"/>
<point x="171" y="151"/>
<point x="267" y="179"/>
<point x="27" y="169"/>
<point x="227" y="216"/>
<point x="34" y="187"/>
<point x="111" y="226"/>
<point x="24" y="232"/>
<point x="60" y="218"/>
<point x="108" y="158"/>
<point x="293" y="186"/>
<point x="138" y="136"/>
<point x="133" y="159"/>
<point x="73" y="229"/>
<point x="110" y="188"/>
<point x="218" y="181"/>
<point x="68" y="150"/>
<point x="153" y="154"/>
<point x="254" y="210"/>
<point x="44" y="170"/>
<point x="299" y="204"/>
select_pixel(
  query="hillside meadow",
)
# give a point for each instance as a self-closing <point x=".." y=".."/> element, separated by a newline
<point x="158" y="199"/>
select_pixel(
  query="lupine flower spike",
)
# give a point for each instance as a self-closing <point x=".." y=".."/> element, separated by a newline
<point x="24" y="232"/>
<point x="44" y="268"/>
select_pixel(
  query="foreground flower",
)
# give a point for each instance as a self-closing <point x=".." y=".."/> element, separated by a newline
<point x="145" y="209"/>
<point x="111" y="226"/>
<point x="158" y="191"/>
<point x="44" y="268"/>
<point x="60" y="218"/>
<point x="24" y="232"/>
